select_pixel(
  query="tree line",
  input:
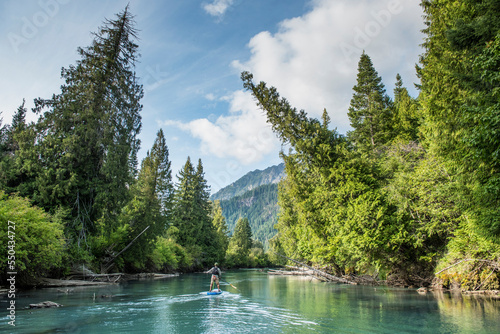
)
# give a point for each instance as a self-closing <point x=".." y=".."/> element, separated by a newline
<point x="414" y="186"/>
<point x="411" y="191"/>
<point x="72" y="185"/>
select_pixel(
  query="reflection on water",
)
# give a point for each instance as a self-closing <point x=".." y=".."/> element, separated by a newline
<point x="261" y="304"/>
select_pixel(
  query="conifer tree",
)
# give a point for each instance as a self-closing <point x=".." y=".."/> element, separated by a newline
<point x="221" y="229"/>
<point x="86" y="140"/>
<point x="150" y="207"/>
<point x="240" y="244"/>
<point x="191" y="214"/>
<point x="243" y="234"/>
<point x="405" y="122"/>
<point x="183" y="207"/>
<point x="460" y="82"/>
<point x="369" y="109"/>
<point x="10" y="175"/>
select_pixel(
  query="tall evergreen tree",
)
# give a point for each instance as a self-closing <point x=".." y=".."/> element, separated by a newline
<point x="191" y="214"/>
<point x="86" y="141"/>
<point x="221" y="230"/>
<point x="405" y="121"/>
<point x="183" y="207"/>
<point x="243" y="235"/>
<point x="150" y="207"/>
<point x="369" y="111"/>
<point x="10" y="176"/>
<point x="240" y="244"/>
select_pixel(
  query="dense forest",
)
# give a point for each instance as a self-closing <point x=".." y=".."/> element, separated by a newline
<point x="410" y="195"/>
<point x="414" y="187"/>
<point x="259" y="206"/>
<point x="71" y="183"/>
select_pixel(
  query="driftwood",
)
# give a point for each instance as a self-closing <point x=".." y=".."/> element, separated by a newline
<point x="319" y="273"/>
<point x="57" y="283"/>
<point x="495" y="264"/>
<point x="46" y="304"/>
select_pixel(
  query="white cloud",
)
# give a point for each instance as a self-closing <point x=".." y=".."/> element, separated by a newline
<point x="218" y="7"/>
<point x="243" y="135"/>
<point x="312" y="59"/>
<point x="210" y="97"/>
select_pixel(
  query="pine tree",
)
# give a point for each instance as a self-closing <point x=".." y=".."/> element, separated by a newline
<point x="150" y="207"/>
<point x="369" y="109"/>
<point x="191" y="214"/>
<point x="405" y="122"/>
<point x="240" y="244"/>
<point x="243" y="235"/>
<point x="183" y="207"/>
<point x="86" y="141"/>
<point x="155" y="177"/>
<point x="221" y="229"/>
<point x="10" y="175"/>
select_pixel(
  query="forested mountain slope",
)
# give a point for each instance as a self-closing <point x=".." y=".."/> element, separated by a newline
<point x="259" y="205"/>
<point x="253" y="196"/>
<point x="250" y="181"/>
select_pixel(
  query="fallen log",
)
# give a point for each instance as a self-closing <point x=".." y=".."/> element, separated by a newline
<point x="55" y="283"/>
<point x="47" y="304"/>
<point x="290" y="272"/>
<point x="328" y="277"/>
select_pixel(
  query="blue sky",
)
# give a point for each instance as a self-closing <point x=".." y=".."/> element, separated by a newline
<point x="192" y="54"/>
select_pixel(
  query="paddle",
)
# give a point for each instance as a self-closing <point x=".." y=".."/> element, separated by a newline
<point x="230" y="284"/>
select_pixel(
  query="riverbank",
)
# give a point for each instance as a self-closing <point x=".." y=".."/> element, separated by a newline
<point x="371" y="281"/>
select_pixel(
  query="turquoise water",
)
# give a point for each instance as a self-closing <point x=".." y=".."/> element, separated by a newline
<point x="263" y="304"/>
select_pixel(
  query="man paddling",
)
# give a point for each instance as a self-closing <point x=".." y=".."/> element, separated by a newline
<point x="216" y="273"/>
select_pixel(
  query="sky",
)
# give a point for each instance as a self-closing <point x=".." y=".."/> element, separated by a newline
<point x="192" y="55"/>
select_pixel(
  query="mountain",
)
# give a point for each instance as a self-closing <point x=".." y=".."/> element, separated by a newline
<point x="254" y="196"/>
<point x="251" y="181"/>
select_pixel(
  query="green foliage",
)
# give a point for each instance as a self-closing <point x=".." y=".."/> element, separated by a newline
<point x="150" y="206"/>
<point x="191" y="216"/>
<point x="81" y="154"/>
<point x="370" y="108"/>
<point x="259" y="205"/>
<point x="10" y="176"/>
<point x="460" y="102"/>
<point x="467" y="244"/>
<point x="415" y="175"/>
<point x="35" y="238"/>
<point x="164" y="255"/>
<point x="257" y="257"/>
<point x="238" y="252"/>
<point x="422" y="193"/>
<point x="221" y="229"/>
<point x="405" y="118"/>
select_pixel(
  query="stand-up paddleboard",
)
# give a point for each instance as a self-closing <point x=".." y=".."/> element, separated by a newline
<point x="214" y="292"/>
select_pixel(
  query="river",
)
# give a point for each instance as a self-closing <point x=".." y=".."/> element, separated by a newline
<point x="262" y="304"/>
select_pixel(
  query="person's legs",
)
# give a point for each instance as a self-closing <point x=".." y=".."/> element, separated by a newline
<point x="211" y="282"/>
<point x="217" y="281"/>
